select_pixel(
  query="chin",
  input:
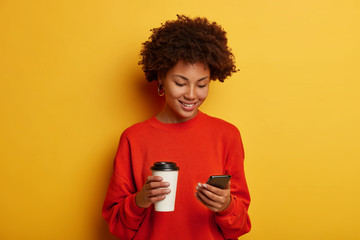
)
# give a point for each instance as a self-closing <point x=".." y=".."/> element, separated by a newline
<point x="186" y="115"/>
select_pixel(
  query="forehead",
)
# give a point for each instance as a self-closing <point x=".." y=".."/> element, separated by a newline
<point x="183" y="67"/>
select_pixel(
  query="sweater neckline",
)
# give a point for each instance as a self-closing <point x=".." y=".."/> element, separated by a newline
<point x="153" y="121"/>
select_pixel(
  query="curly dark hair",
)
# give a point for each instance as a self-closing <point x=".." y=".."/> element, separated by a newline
<point x="192" y="40"/>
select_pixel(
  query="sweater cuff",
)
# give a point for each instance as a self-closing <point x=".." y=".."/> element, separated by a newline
<point x="135" y="208"/>
<point x="229" y="209"/>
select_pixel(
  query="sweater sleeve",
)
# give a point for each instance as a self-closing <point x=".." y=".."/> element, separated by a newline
<point x="234" y="221"/>
<point x="120" y="210"/>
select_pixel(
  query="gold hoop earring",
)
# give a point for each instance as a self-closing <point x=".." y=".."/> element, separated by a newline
<point x="161" y="89"/>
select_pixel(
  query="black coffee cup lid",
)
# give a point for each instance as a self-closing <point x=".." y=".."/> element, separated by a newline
<point x="165" y="166"/>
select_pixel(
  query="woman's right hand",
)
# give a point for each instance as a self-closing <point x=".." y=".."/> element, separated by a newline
<point x="154" y="190"/>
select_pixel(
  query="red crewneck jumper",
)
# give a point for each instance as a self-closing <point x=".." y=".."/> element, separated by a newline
<point x="201" y="146"/>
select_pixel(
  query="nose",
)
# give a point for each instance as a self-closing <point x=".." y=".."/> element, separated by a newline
<point x="190" y="93"/>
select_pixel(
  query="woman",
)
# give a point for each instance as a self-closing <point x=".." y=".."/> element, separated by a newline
<point x="183" y="56"/>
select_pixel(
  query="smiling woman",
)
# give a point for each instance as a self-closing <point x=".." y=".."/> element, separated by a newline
<point x="183" y="56"/>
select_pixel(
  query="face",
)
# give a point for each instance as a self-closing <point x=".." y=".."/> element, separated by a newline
<point x="186" y="88"/>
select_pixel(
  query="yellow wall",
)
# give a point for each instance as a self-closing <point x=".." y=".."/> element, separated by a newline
<point x="70" y="85"/>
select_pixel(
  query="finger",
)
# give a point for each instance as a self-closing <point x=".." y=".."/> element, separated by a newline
<point x="157" y="198"/>
<point x="220" y="201"/>
<point x="152" y="185"/>
<point x="214" y="209"/>
<point x="158" y="192"/>
<point x="206" y="200"/>
<point x="202" y="202"/>
<point x="153" y="179"/>
<point x="210" y="195"/>
<point x="215" y="190"/>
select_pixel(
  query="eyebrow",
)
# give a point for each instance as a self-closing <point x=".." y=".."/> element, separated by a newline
<point x="184" y="78"/>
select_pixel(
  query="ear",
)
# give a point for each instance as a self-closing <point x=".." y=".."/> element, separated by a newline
<point x="160" y="78"/>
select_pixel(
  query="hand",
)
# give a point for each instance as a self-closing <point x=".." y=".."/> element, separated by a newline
<point x="216" y="199"/>
<point x="154" y="190"/>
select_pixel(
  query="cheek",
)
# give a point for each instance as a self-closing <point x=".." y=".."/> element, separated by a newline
<point x="174" y="92"/>
<point x="202" y="95"/>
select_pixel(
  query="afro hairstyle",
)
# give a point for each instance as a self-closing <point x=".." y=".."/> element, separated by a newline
<point x="191" y="40"/>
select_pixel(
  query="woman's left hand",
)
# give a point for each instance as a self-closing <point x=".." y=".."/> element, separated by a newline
<point x="216" y="199"/>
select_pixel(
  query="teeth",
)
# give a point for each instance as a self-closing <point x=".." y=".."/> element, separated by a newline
<point x="188" y="105"/>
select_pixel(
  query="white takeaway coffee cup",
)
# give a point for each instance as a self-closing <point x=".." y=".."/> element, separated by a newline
<point x="169" y="172"/>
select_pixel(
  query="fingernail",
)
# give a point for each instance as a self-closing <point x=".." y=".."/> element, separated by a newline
<point x="199" y="184"/>
<point x="167" y="184"/>
<point x="204" y="185"/>
<point x="197" y="188"/>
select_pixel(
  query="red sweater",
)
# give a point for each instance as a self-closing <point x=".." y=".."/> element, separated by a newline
<point x="201" y="147"/>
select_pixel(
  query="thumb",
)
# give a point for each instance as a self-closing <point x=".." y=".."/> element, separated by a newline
<point x="228" y="185"/>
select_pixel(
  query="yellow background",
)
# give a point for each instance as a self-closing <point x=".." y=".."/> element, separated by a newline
<point x="70" y="84"/>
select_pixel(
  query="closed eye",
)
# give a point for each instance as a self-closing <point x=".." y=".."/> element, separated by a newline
<point x="179" y="84"/>
<point x="202" y="86"/>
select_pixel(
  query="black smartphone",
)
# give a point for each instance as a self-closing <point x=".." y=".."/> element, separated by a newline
<point x="219" y="181"/>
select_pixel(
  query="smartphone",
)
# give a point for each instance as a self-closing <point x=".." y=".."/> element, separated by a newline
<point x="219" y="181"/>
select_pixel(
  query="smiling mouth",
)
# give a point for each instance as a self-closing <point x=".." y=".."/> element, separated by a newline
<point x="187" y="104"/>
